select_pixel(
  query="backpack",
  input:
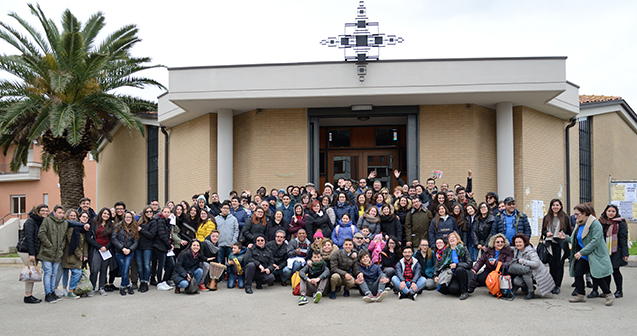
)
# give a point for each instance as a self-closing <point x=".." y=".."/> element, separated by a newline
<point x="296" y="284"/>
<point x="493" y="281"/>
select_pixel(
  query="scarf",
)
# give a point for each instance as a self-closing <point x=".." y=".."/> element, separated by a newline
<point x="612" y="228"/>
<point x="446" y="257"/>
<point x="328" y="255"/>
<point x="316" y="266"/>
<point x="371" y="219"/>
<point x="320" y="213"/>
<point x="440" y="252"/>
<point x="194" y="255"/>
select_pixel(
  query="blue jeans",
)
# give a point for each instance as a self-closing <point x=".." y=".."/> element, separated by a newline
<point x="232" y="277"/>
<point x="144" y="258"/>
<point x="48" y="279"/>
<point x="62" y="274"/>
<point x="124" y="265"/>
<point x="287" y="272"/>
<point x="198" y="274"/>
<point x="224" y="252"/>
<point x="76" y="275"/>
<point x="420" y="284"/>
<point x="473" y="251"/>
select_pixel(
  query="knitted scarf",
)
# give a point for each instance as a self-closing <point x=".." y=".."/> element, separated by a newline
<point x="612" y="227"/>
<point x="371" y="219"/>
<point x="440" y="252"/>
<point x="317" y="265"/>
<point x="446" y="257"/>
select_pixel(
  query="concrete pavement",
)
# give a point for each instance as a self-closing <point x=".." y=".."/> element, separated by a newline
<point x="274" y="311"/>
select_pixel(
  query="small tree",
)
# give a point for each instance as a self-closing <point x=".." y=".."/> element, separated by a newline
<point x="65" y="93"/>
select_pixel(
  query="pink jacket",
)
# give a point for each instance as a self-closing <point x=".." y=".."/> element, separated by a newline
<point x="376" y="248"/>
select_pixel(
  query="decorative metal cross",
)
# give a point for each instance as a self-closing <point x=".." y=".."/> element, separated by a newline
<point x="358" y="41"/>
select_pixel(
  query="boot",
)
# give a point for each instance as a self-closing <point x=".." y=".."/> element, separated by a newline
<point x="530" y="295"/>
<point x="610" y="298"/>
<point x="177" y="291"/>
<point x="593" y="294"/>
<point x="212" y="285"/>
<point x="577" y="298"/>
<point x="619" y="294"/>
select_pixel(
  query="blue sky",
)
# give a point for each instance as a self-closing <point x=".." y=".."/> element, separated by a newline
<point x="597" y="37"/>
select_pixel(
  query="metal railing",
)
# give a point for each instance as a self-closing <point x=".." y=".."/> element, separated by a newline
<point x="11" y="215"/>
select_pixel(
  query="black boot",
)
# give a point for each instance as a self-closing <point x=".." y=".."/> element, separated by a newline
<point x="122" y="290"/>
<point x="593" y="294"/>
<point x="529" y="295"/>
<point x="619" y="294"/>
<point x="248" y="290"/>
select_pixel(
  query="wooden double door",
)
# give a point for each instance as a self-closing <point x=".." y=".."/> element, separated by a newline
<point x="356" y="164"/>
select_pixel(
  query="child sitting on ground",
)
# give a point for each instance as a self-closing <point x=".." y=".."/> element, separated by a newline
<point x="371" y="280"/>
<point x="235" y="266"/>
<point x="314" y="278"/>
<point x="376" y="246"/>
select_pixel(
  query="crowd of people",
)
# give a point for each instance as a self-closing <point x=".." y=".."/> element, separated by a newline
<point x="355" y="235"/>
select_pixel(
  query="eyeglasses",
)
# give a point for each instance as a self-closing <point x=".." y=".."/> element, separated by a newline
<point x="260" y="240"/>
<point x="511" y="203"/>
<point x="358" y="238"/>
<point x="148" y="211"/>
<point x="499" y="242"/>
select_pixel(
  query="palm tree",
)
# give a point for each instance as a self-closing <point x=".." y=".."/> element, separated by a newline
<point x="66" y="93"/>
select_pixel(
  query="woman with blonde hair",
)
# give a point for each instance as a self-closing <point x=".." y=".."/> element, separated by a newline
<point x="498" y="250"/>
<point x="455" y="260"/>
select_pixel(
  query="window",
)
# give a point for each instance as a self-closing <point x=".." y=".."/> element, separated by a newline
<point x="585" y="164"/>
<point x="18" y="204"/>
<point x="338" y="138"/>
<point x="45" y="199"/>
<point x="152" y="172"/>
<point x="386" y="137"/>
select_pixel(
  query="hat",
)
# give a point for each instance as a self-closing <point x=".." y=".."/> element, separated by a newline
<point x="509" y="200"/>
<point x="318" y="233"/>
<point x="327" y="184"/>
<point x="309" y="184"/>
<point x="359" y="235"/>
<point x="281" y="191"/>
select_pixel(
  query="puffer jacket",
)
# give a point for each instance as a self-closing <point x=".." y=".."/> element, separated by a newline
<point x="147" y="235"/>
<point x="371" y="272"/>
<point x="279" y="253"/>
<point x="315" y="222"/>
<point x="31" y="228"/>
<point x="342" y="264"/>
<point x="417" y="225"/>
<point x="74" y="260"/>
<point x="520" y="222"/>
<point x="342" y="208"/>
<point x="259" y="257"/>
<point x="204" y="229"/>
<point x="186" y="264"/>
<point x="442" y="229"/>
<point x="343" y="231"/>
<point x="529" y="257"/>
<point x="162" y="240"/>
<point x="121" y="239"/>
<point x="52" y="235"/>
<point x="481" y="230"/>
<point x="390" y="225"/>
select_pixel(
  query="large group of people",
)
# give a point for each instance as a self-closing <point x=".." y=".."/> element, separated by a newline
<point x="355" y="235"/>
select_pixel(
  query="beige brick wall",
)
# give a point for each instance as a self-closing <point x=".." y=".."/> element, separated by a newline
<point x="192" y="159"/>
<point x="540" y="169"/>
<point x="458" y="138"/>
<point x="613" y="154"/>
<point x="270" y="149"/>
<point x="121" y="171"/>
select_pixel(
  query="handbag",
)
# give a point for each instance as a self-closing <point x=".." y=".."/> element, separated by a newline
<point x="543" y="252"/>
<point x="518" y="269"/>
<point x="84" y="285"/>
<point x="493" y="281"/>
<point x="192" y="286"/>
<point x="30" y="273"/>
<point x="444" y="278"/>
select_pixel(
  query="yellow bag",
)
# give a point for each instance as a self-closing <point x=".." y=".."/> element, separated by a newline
<point x="296" y="279"/>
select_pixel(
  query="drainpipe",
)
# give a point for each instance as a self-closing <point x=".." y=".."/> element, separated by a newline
<point x="166" y="170"/>
<point x="568" y="166"/>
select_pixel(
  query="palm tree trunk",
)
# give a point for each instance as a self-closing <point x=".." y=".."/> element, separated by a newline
<point x="71" y="176"/>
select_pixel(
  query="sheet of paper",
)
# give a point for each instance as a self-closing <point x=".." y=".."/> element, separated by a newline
<point x="631" y="192"/>
<point x="106" y="255"/>
<point x="170" y="253"/>
<point x="634" y="210"/>
<point x="618" y="192"/>
<point x="626" y="210"/>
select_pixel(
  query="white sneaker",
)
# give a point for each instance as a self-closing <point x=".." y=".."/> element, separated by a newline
<point x="163" y="286"/>
<point x="59" y="292"/>
<point x="102" y="292"/>
<point x="91" y="293"/>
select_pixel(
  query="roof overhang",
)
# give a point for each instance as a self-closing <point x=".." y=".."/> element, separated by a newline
<point x="538" y="82"/>
<point x="619" y="105"/>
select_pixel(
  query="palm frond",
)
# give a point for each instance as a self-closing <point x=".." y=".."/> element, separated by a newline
<point x="44" y="45"/>
<point x="60" y="118"/>
<point x="92" y="27"/>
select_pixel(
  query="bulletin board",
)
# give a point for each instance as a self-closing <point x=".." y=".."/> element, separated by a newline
<point x="624" y="195"/>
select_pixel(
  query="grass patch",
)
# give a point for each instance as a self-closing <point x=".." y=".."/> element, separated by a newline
<point x="15" y="255"/>
<point x="633" y="250"/>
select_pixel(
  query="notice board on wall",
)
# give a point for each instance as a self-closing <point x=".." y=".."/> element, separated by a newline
<point x="624" y="195"/>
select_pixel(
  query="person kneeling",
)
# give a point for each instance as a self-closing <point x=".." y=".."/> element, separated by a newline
<point x="188" y="267"/>
<point x="314" y="278"/>
<point x="344" y="268"/>
<point x="408" y="277"/>
<point x="452" y="270"/>
<point x="259" y="265"/>
<point x="371" y="280"/>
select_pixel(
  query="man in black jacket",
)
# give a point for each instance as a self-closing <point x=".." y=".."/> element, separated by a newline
<point x="278" y="249"/>
<point x="259" y="265"/>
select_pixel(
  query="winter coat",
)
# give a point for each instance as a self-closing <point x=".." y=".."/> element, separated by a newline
<point x="481" y="230"/>
<point x="371" y="273"/>
<point x="415" y="268"/>
<point x="374" y="228"/>
<point x="121" y="239"/>
<point x="240" y="257"/>
<point x="505" y="256"/>
<point x="162" y="241"/>
<point x="529" y="257"/>
<point x="315" y="222"/>
<point x="466" y="237"/>
<point x="228" y="230"/>
<point x="342" y="208"/>
<point x="464" y="259"/>
<point x="376" y="248"/>
<point x="427" y="266"/>
<point x="240" y="214"/>
<point x="52" y="235"/>
<point x="390" y="225"/>
<point x="295" y="244"/>
<point x="273" y="227"/>
<point x="617" y="258"/>
<point x="417" y="225"/>
<point x="279" y="253"/>
<point x="594" y="248"/>
<point x="388" y="259"/>
<point x="146" y="236"/>
<point x="520" y="222"/>
<point x="307" y="273"/>
<point x="442" y="229"/>
<point x="74" y="260"/>
<point x="186" y="264"/>
<point x="287" y="212"/>
<point x="259" y="257"/>
<point x="31" y="228"/>
<point x="251" y="230"/>
<point x="209" y="249"/>
<point x="343" y="231"/>
<point x="205" y="228"/>
<point x="296" y="224"/>
<point x="91" y="238"/>
<point x="341" y="263"/>
<point x="189" y="229"/>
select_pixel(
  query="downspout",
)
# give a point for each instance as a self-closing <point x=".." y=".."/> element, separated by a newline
<point x="568" y="165"/>
<point x="166" y="170"/>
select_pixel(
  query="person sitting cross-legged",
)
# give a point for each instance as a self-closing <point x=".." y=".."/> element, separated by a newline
<point x="408" y="277"/>
<point x="344" y="268"/>
<point x="314" y="278"/>
<point x="371" y="280"/>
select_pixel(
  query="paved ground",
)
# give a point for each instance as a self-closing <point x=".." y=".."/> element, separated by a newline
<point x="273" y="311"/>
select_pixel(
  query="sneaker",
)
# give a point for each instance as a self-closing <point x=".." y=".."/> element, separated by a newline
<point x="91" y="293"/>
<point x="72" y="295"/>
<point x="610" y="298"/>
<point x="59" y="292"/>
<point x="110" y="288"/>
<point x="346" y="292"/>
<point x="413" y="296"/>
<point x="102" y="292"/>
<point x="317" y="297"/>
<point x="619" y="294"/>
<point x="556" y="290"/>
<point x="577" y="298"/>
<point x="464" y="296"/>
<point x="170" y="283"/>
<point x="57" y="298"/>
<point x="203" y="288"/>
<point x="131" y="291"/>
<point x="162" y="286"/>
<point x="31" y="299"/>
<point x="50" y="298"/>
<point x="302" y="300"/>
<point x="369" y="298"/>
<point x="381" y="296"/>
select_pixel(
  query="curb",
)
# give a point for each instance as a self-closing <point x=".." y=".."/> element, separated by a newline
<point x="12" y="261"/>
<point x="632" y="258"/>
